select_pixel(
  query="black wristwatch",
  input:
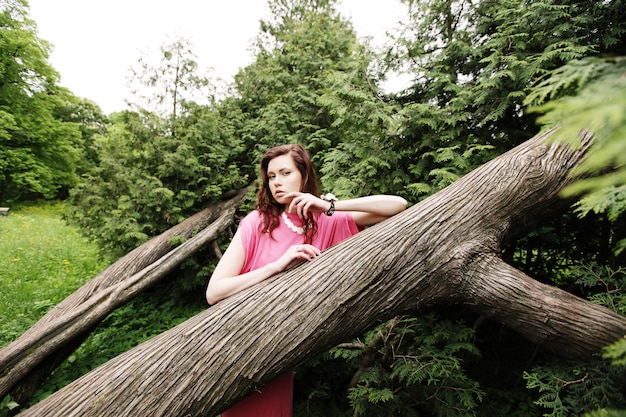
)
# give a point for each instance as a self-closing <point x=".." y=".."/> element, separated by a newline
<point x="330" y="198"/>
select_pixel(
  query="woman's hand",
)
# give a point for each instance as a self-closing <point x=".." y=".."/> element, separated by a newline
<point x="226" y="280"/>
<point x="305" y="203"/>
<point x="294" y="255"/>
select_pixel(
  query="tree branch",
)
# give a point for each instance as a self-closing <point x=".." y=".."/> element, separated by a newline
<point x="543" y="314"/>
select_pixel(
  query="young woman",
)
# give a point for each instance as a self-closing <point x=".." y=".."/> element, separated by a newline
<point x="290" y="224"/>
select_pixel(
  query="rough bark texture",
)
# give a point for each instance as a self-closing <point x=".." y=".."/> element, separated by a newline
<point x="33" y="356"/>
<point x="444" y="250"/>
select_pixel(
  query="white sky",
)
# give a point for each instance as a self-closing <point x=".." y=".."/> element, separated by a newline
<point x="95" y="42"/>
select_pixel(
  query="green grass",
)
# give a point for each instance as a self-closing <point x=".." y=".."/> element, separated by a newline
<point x="42" y="260"/>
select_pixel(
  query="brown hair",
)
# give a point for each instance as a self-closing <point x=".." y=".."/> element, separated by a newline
<point x="265" y="202"/>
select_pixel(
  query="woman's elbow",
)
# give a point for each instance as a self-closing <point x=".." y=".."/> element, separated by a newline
<point x="400" y="204"/>
<point x="211" y="296"/>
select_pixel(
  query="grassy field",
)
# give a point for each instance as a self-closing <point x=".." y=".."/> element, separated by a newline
<point x="42" y="260"/>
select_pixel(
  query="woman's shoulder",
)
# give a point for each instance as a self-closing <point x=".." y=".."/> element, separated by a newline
<point x="255" y="217"/>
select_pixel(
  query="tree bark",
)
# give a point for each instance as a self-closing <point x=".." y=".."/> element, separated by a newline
<point x="443" y="251"/>
<point x="32" y="357"/>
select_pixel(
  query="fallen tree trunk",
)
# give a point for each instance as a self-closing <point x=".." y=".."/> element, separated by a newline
<point x="442" y="251"/>
<point x="33" y="356"/>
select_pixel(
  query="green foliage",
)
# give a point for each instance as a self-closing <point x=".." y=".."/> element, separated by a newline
<point x="616" y="352"/>
<point x="474" y="64"/>
<point x="610" y="200"/>
<point x="599" y="105"/>
<point x="573" y="389"/>
<point x="7" y="406"/>
<point x="606" y="286"/>
<point x="91" y="123"/>
<point x="415" y="367"/>
<point x="364" y="161"/>
<point x="163" y="87"/>
<point x="311" y="83"/>
<point x="449" y="164"/>
<point x="590" y="95"/>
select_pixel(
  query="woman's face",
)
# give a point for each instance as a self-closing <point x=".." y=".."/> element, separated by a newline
<point x="284" y="178"/>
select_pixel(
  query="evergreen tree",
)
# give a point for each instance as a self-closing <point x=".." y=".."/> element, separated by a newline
<point x="156" y="168"/>
<point x="474" y="64"/>
<point x="312" y="83"/>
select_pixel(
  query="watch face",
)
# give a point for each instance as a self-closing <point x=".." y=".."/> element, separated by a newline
<point x="329" y="197"/>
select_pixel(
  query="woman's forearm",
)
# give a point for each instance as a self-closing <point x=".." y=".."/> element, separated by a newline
<point x="380" y="205"/>
<point x="370" y="210"/>
<point x="221" y="288"/>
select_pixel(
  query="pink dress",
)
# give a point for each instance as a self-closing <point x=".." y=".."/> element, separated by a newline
<point x="276" y="398"/>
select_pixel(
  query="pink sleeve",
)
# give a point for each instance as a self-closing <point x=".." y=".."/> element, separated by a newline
<point x="249" y="231"/>
<point x="333" y="229"/>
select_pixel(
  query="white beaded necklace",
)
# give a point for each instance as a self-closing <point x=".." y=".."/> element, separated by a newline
<point x="293" y="227"/>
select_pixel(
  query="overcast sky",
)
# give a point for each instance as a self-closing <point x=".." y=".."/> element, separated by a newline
<point x="95" y="42"/>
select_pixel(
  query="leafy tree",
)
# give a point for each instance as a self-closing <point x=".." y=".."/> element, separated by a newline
<point x="38" y="151"/>
<point x="91" y="123"/>
<point x="474" y="64"/>
<point x="164" y="86"/>
<point x="308" y="69"/>
<point x="147" y="181"/>
<point x="155" y="171"/>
